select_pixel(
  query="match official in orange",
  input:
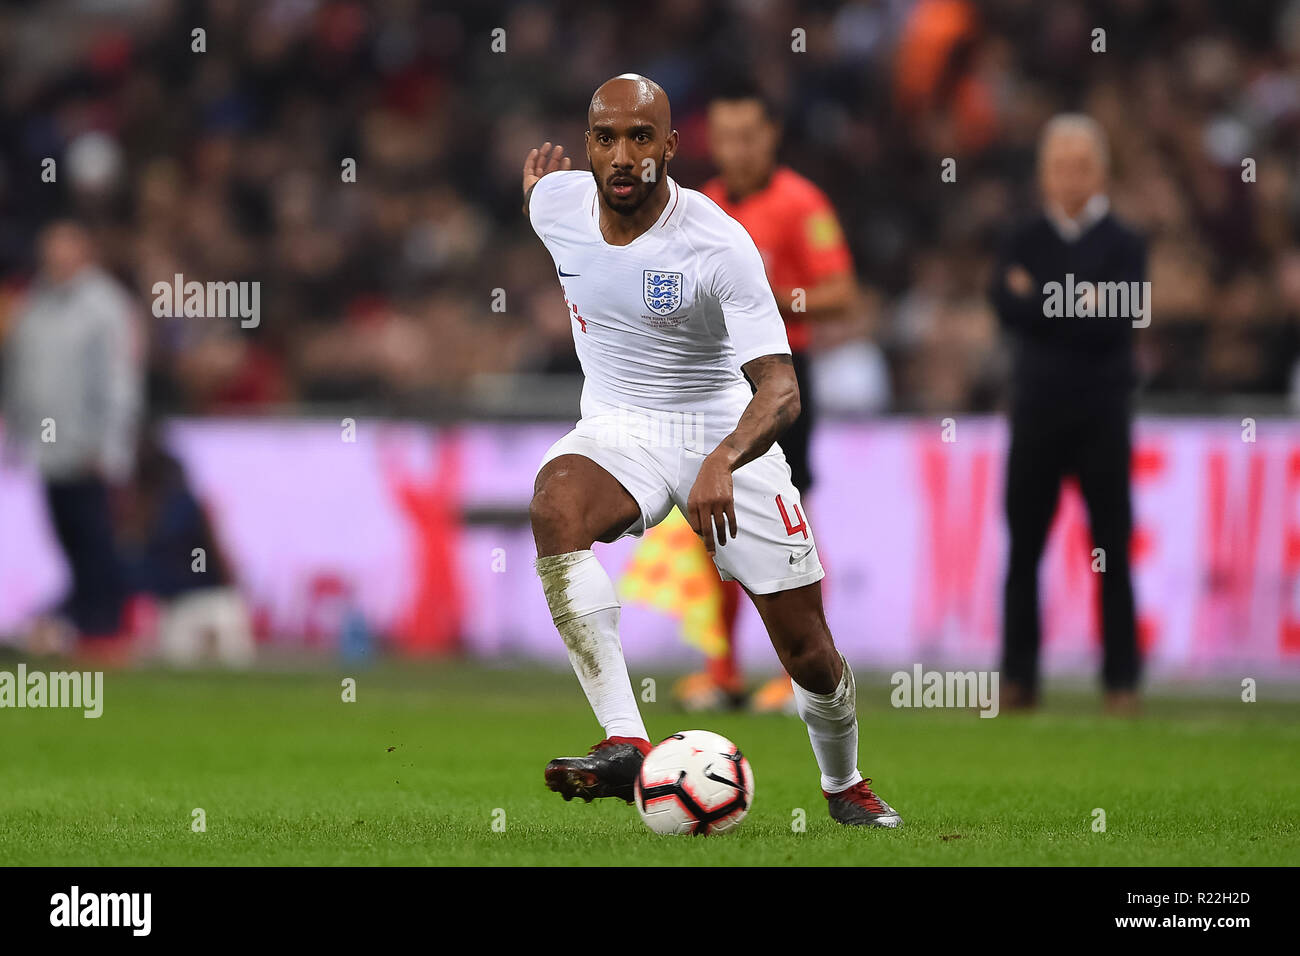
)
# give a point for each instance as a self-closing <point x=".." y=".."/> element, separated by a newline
<point x="811" y="273"/>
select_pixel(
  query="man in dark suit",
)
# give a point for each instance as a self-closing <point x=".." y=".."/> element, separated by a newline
<point x="1069" y="288"/>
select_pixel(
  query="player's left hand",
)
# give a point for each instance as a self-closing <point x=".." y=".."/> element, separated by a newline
<point x="711" y="504"/>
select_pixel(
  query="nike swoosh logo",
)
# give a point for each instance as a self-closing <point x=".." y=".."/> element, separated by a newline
<point x="567" y="275"/>
<point x="799" y="557"/>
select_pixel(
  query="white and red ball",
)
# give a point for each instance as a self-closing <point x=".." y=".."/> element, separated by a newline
<point x="694" y="782"/>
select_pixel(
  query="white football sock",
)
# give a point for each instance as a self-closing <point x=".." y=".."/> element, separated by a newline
<point x="832" y="721"/>
<point x="585" y="610"/>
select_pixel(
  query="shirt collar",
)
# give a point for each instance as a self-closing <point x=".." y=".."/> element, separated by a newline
<point x="674" y="200"/>
<point x="1071" y="229"/>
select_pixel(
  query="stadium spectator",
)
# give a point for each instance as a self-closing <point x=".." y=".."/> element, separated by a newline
<point x="171" y="553"/>
<point x="226" y="165"/>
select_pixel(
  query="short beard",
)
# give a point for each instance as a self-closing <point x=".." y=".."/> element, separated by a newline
<point x="628" y="211"/>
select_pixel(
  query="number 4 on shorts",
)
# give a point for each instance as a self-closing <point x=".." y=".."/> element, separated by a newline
<point x="792" y="529"/>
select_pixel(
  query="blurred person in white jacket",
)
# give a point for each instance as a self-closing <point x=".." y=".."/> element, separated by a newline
<point x="73" y="396"/>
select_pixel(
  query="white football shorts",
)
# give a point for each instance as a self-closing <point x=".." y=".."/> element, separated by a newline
<point x="774" y="549"/>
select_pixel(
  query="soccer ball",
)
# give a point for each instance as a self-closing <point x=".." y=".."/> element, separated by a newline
<point x="694" y="782"/>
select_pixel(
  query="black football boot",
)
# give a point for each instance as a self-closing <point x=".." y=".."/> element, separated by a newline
<point x="609" y="770"/>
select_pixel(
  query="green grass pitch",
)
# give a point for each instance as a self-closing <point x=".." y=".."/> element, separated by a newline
<point x="417" y="770"/>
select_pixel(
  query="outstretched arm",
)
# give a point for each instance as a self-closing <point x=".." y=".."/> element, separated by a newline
<point x="538" y="163"/>
<point x="770" y="412"/>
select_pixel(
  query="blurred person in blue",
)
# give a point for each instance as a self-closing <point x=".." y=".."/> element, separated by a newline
<point x="171" y="553"/>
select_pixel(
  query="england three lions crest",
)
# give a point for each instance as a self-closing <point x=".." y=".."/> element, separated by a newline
<point x="663" y="292"/>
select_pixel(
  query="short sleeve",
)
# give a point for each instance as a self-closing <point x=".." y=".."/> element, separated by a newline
<point x="753" y="320"/>
<point x="819" y="240"/>
<point x="547" y="201"/>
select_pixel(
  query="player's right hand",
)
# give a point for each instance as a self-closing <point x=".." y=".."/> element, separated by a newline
<point x="539" y="162"/>
<point x="711" y="505"/>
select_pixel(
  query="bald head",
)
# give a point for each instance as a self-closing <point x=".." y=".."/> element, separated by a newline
<point x="631" y="92"/>
<point x="630" y="140"/>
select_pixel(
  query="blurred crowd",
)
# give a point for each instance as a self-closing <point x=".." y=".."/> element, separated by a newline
<point x="420" y="281"/>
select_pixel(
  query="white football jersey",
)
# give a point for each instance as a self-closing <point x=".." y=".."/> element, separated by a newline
<point x="666" y="322"/>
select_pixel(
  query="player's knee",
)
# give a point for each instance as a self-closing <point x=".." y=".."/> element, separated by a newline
<point x="548" y="510"/>
<point x="810" y="659"/>
<point x="814" y="670"/>
<point x="557" y="520"/>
